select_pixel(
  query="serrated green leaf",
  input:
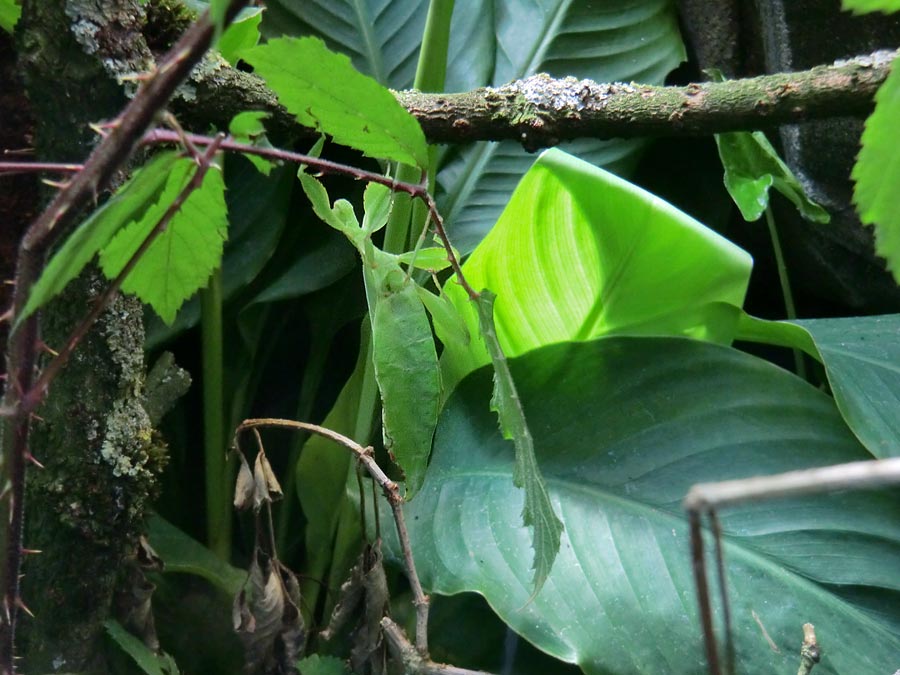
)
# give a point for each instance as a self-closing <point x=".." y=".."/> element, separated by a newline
<point x="579" y="253"/>
<point x="537" y="511"/>
<point x="181" y="259"/>
<point x="752" y="166"/>
<point x="316" y="664"/>
<point x="243" y="33"/>
<point x="149" y="661"/>
<point x="865" y="6"/>
<point x="323" y="91"/>
<point x="877" y="171"/>
<point x="409" y="378"/>
<point x="10" y="11"/>
<point x="129" y="203"/>
<point x="623" y="426"/>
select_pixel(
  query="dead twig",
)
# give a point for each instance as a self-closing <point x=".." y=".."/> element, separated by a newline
<point x="391" y="492"/>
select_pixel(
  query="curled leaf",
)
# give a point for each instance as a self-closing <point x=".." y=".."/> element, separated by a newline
<point x="245" y="486"/>
<point x="267" y="488"/>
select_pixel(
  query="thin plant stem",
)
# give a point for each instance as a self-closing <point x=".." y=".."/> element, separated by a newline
<point x="790" y="309"/>
<point x="391" y="492"/>
<point x="217" y="483"/>
<point x="13" y="168"/>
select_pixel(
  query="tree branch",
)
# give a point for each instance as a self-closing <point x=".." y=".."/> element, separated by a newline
<point x="542" y="111"/>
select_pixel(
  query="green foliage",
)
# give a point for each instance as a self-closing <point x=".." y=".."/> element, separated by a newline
<point x="877" y="171"/>
<point x="579" y="253"/>
<point x="322" y="665"/>
<point x="147" y="660"/>
<point x="406" y="367"/>
<point x="865" y="6"/>
<point x="243" y="33"/>
<point x="752" y="166"/>
<point x="130" y="203"/>
<point x="327" y="98"/>
<point x="622" y="427"/>
<point x="181" y="553"/>
<point x="860" y="356"/>
<point x="492" y="44"/>
<point x="537" y="511"/>
<point x="179" y="262"/>
<point x="10" y="11"/>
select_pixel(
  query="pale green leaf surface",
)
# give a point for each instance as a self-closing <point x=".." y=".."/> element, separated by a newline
<point x="865" y="6"/>
<point x="409" y="378"/>
<point x="623" y="426"/>
<point x="181" y="553"/>
<point x="129" y="203"/>
<point x="243" y="33"/>
<point x="537" y="511"/>
<point x="877" y="171"/>
<point x="327" y="98"/>
<point x="617" y="41"/>
<point x="579" y="253"/>
<point x="861" y="356"/>
<point x="147" y="660"/>
<point x="752" y="166"/>
<point x="377" y="203"/>
<point x="179" y="262"/>
<point x="248" y="124"/>
<point x="10" y="11"/>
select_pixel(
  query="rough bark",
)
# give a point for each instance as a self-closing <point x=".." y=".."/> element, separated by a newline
<point x="541" y="111"/>
<point x="94" y="438"/>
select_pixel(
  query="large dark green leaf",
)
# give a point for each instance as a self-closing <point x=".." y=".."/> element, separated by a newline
<point x="623" y="427"/>
<point x="861" y="356"/>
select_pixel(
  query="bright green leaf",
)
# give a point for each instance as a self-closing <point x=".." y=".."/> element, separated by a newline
<point x="340" y="216"/>
<point x="182" y="554"/>
<point x="623" y="426"/>
<point x="147" y="660"/>
<point x="377" y="203"/>
<point x="537" y="511"/>
<point x="579" y="253"/>
<point x="10" y="11"/>
<point x="877" y="171"/>
<point x="327" y="97"/>
<point x="448" y="323"/>
<point x="179" y="262"/>
<point x="243" y="33"/>
<point x="247" y="127"/>
<point x="409" y="378"/>
<point x="431" y="259"/>
<point x="130" y="203"/>
<point x="752" y="166"/>
<point x="865" y="6"/>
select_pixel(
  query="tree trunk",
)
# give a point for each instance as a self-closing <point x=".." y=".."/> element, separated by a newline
<point x="85" y="509"/>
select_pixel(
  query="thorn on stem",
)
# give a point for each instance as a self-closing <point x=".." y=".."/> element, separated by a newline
<point x="56" y="184"/>
<point x="31" y="458"/>
<point x="21" y="605"/>
<point x="31" y="551"/>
